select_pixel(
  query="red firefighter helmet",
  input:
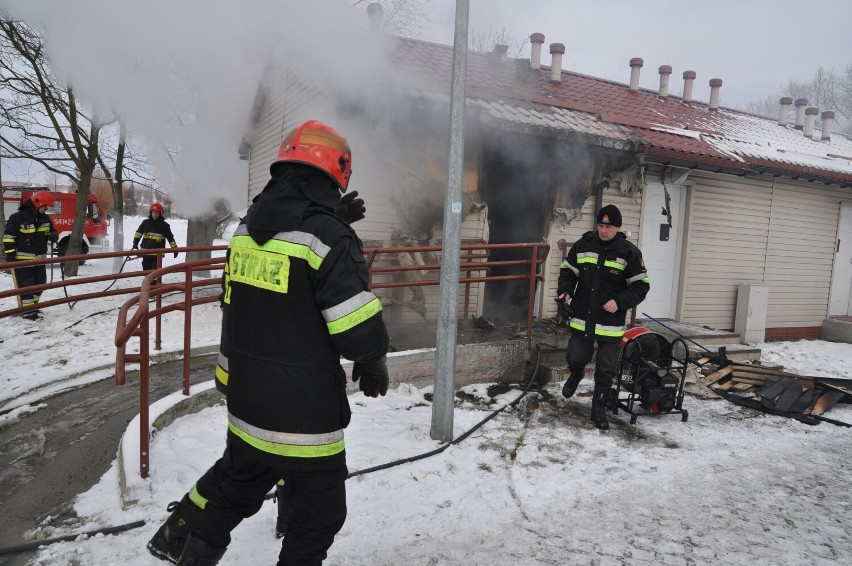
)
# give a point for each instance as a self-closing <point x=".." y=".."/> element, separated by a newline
<point x="156" y="207"/>
<point x="321" y="146"/>
<point x="42" y="198"/>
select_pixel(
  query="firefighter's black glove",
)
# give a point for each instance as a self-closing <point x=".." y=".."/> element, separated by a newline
<point x="565" y="310"/>
<point x="350" y="208"/>
<point x="135" y="247"/>
<point x="176" y="254"/>
<point x="373" y="377"/>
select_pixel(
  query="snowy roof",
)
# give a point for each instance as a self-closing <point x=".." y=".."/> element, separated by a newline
<point x="509" y="94"/>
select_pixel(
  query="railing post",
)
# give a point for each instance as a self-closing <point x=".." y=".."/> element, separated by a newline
<point x="530" y="305"/>
<point x="187" y="328"/>
<point x="158" y="337"/>
<point x="144" y="421"/>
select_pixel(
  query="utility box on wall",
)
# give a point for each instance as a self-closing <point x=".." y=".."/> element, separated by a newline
<point x="752" y="302"/>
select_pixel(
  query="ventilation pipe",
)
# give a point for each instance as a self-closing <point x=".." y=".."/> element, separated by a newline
<point x="810" y="117"/>
<point x="827" y="119"/>
<point x="536" y="41"/>
<point x="800" y="103"/>
<point x="665" y="72"/>
<point x="784" y="112"/>
<point x="715" y="86"/>
<point x="635" y="66"/>
<point x="688" y="79"/>
<point x="556" y="51"/>
<point x="375" y="13"/>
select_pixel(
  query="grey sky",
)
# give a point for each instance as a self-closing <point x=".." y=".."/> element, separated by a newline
<point x="754" y="46"/>
<point x="198" y="63"/>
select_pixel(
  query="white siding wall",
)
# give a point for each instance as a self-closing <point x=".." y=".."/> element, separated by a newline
<point x="630" y="209"/>
<point x="754" y="230"/>
<point x="727" y="239"/>
<point x="801" y="253"/>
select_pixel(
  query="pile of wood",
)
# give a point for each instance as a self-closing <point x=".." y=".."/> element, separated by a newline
<point x="778" y="391"/>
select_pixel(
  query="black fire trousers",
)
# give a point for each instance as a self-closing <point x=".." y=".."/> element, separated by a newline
<point x="28" y="276"/>
<point x="580" y="350"/>
<point x="238" y="483"/>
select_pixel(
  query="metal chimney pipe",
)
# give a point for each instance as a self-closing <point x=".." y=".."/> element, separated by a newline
<point x="375" y="13"/>
<point x="536" y="41"/>
<point x="665" y="72"/>
<point x="688" y="79"/>
<point x="800" y="103"/>
<point x="784" y="112"/>
<point x="810" y="117"/>
<point x="635" y="66"/>
<point x="715" y="86"/>
<point x="827" y="119"/>
<point x="556" y="51"/>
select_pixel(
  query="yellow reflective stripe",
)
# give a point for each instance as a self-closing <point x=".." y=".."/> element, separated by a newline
<point x="615" y="265"/>
<point x="355" y="318"/>
<point x="24" y="230"/>
<point x="643" y="277"/>
<point x="577" y="324"/>
<point x="291" y="450"/>
<point x="587" y="259"/>
<point x="199" y="500"/>
<point x="609" y="333"/>
<point x="222" y="374"/>
<point x="294" y="244"/>
<point x="259" y="267"/>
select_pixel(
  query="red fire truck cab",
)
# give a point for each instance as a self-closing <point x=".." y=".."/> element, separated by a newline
<point x="62" y="215"/>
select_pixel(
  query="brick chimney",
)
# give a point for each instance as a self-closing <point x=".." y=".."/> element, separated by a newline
<point x="536" y="41"/>
<point x="635" y="66"/>
<point x="827" y="119"/>
<point x="810" y="117"/>
<point x="688" y="79"/>
<point x="665" y="73"/>
<point x="784" y="112"/>
<point x="556" y="51"/>
<point x="715" y="87"/>
<point x="800" y="103"/>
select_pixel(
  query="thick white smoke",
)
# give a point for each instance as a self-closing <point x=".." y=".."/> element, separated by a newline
<point x="184" y="74"/>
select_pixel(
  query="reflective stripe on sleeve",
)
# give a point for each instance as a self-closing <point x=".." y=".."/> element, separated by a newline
<point x="222" y="369"/>
<point x="197" y="498"/>
<point x="351" y="312"/>
<point x="566" y="265"/>
<point x="643" y="277"/>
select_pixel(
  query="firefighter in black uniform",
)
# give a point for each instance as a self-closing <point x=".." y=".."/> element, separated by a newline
<point x="602" y="277"/>
<point x="154" y="232"/>
<point x="295" y="300"/>
<point x="25" y="238"/>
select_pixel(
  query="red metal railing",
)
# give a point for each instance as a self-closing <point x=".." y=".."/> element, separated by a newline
<point x="476" y="259"/>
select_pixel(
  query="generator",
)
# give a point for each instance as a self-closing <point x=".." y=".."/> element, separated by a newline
<point x="650" y="374"/>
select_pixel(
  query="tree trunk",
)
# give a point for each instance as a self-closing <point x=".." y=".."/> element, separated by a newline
<point x="200" y="231"/>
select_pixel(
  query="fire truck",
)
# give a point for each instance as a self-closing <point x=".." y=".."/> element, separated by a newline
<point x="62" y="215"/>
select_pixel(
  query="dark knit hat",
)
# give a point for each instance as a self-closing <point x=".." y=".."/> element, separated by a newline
<point x="610" y="214"/>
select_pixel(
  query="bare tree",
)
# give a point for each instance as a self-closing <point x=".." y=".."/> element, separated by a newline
<point x="42" y="119"/>
<point x="826" y="90"/>
<point x="486" y="41"/>
<point x="403" y="17"/>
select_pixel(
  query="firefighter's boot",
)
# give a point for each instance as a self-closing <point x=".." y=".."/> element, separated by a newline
<point x="571" y="384"/>
<point x="599" y="398"/>
<point x="169" y="540"/>
<point x="197" y="552"/>
<point x="285" y="511"/>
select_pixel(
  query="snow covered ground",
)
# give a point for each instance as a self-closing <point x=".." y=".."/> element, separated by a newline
<point x="535" y="485"/>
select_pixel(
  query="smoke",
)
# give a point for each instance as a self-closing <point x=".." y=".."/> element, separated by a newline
<point x="184" y="74"/>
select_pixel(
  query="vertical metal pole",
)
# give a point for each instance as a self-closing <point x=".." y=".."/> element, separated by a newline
<point x="187" y="328"/>
<point x="445" y="353"/>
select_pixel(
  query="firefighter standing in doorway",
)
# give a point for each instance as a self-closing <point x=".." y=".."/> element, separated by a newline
<point x="602" y="277"/>
<point x="295" y="301"/>
<point x="25" y="238"/>
<point x="154" y="232"/>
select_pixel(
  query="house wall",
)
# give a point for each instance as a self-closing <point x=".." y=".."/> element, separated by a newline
<point x="759" y="230"/>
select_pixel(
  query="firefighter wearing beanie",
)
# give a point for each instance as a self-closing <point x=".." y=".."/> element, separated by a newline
<point x="601" y="278"/>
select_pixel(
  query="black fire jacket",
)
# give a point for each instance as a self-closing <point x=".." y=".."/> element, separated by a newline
<point x="27" y="233"/>
<point x="594" y="272"/>
<point x="154" y="234"/>
<point x="295" y="300"/>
